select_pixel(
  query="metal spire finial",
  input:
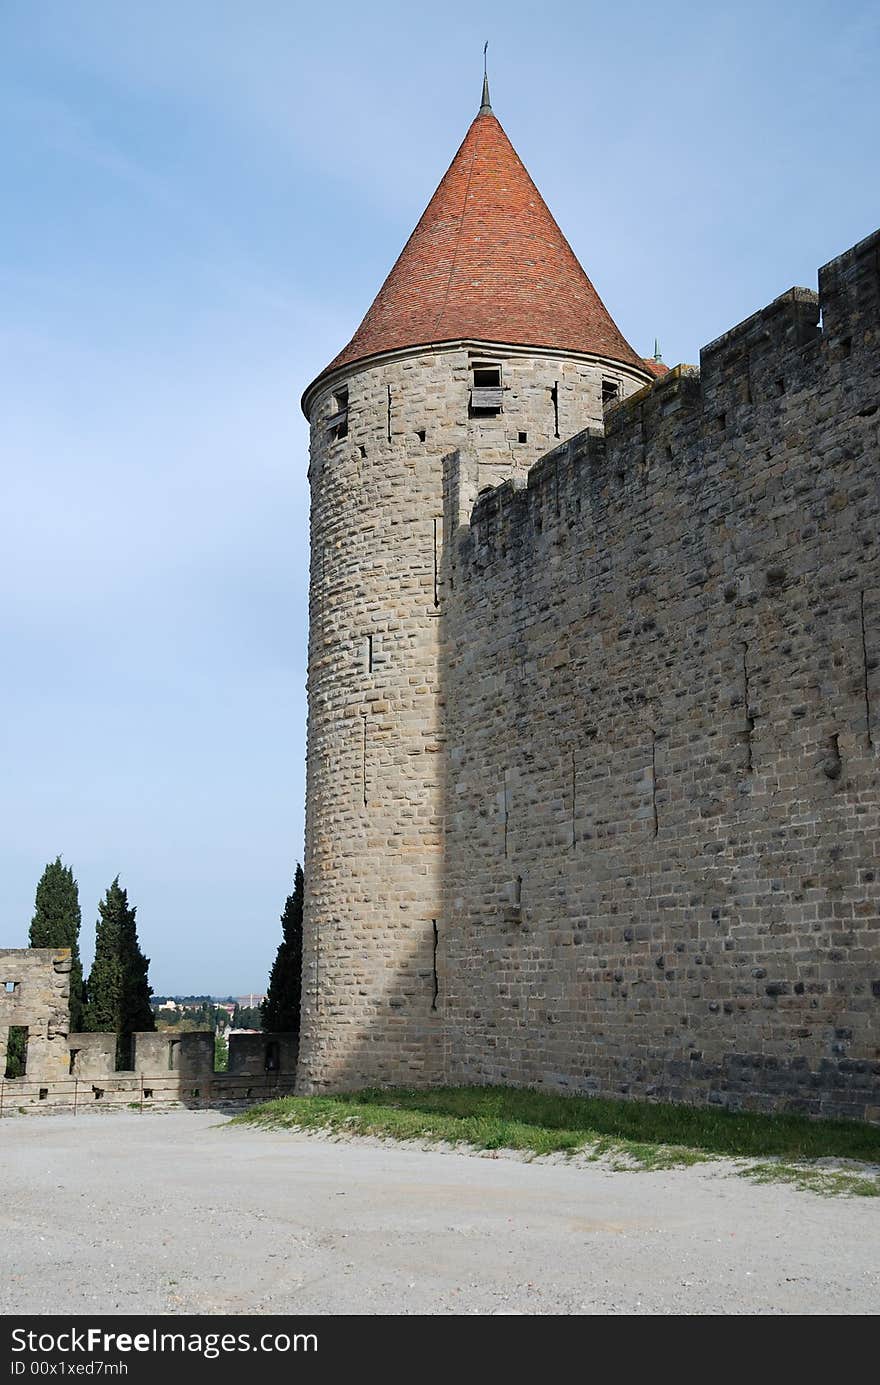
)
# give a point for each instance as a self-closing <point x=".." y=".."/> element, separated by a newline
<point x="487" y="104"/>
<point x="657" y="355"/>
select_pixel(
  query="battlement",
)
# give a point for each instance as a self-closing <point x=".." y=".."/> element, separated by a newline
<point x="849" y="293"/>
<point x="506" y="513"/>
<point x="46" y="1068"/>
<point x="754" y="387"/>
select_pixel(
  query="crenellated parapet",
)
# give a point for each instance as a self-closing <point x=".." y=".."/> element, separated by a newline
<point x="849" y="292"/>
<point x="755" y="387"/>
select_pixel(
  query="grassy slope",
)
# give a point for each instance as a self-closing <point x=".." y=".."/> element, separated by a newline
<point x="654" y="1135"/>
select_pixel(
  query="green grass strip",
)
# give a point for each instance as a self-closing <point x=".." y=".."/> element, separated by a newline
<point x="830" y="1182"/>
<point x="650" y="1134"/>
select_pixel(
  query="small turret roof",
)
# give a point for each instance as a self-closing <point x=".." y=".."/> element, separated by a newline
<point x="487" y="262"/>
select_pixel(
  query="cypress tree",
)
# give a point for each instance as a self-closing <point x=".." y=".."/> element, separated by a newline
<point x="280" y="1009"/>
<point x="56" y="923"/>
<point x="118" y="992"/>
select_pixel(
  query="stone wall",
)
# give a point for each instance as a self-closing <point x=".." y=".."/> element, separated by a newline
<point x="78" y="1071"/>
<point x="92" y="1055"/>
<point x="169" y="1069"/>
<point x="35" y="994"/>
<point x="166" y="1050"/>
<point x="662" y="829"/>
<point x="258" y="1054"/>
<point x="375" y="790"/>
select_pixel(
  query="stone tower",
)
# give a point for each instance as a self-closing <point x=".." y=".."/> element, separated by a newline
<point x="486" y="344"/>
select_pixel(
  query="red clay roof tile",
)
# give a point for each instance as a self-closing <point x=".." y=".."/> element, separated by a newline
<point x="656" y="367"/>
<point x="487" y="262"/>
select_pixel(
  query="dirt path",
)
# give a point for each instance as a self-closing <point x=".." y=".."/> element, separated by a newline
<point x="178" y="1213"/>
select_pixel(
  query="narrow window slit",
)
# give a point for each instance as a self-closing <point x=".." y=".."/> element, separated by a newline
<point x="506" y="810"/>
<point x="573" y="800"/>
<point x="750" y="720"/>
<point x="554" y="395"/>
<point x="369" y="653"/>
<point x="364" y="759"/>
<point x="865" y="670"/>
<point x="436" y="941"/>
<point x="436" y="564"/>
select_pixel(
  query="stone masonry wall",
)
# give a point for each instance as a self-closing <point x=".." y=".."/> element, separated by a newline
<point x="662" y="684"/>
<point x="375" y="790"/>
<point x="170" y="1068"/>
<point x="258" y="1054"/>
<point x="34" y="994"/>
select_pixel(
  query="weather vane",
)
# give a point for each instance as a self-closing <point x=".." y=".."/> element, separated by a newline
<point x="486" y="103"/>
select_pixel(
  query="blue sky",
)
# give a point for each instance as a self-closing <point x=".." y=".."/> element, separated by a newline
<point x="200" y="201"/>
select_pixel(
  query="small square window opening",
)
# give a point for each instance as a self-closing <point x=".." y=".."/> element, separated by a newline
<point x="486" y="389"/>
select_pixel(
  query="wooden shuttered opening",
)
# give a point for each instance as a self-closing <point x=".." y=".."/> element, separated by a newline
<point x="486" y="397"/>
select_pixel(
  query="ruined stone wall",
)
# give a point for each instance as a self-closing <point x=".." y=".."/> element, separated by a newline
<point x="92" y="1055"/>
<point x="170" y="1068"/>
<point x="258" y="1054"/>
<point x="375" y="790"/>
<point x="662" y="859"/>
<point x="35" y="994"/>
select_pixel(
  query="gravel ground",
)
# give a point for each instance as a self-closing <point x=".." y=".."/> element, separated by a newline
<point x="181" y="1213"/>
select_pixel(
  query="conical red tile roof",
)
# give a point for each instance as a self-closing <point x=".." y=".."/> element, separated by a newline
<point x="487" y="262"/>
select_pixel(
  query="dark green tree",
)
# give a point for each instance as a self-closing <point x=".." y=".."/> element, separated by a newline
<point x="16" y="1051"/>
<point x="247" y="1017"/>
<point x="56" y="923"/>
<point x="118" y="992"/>
<point x="280" y="1009"/>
